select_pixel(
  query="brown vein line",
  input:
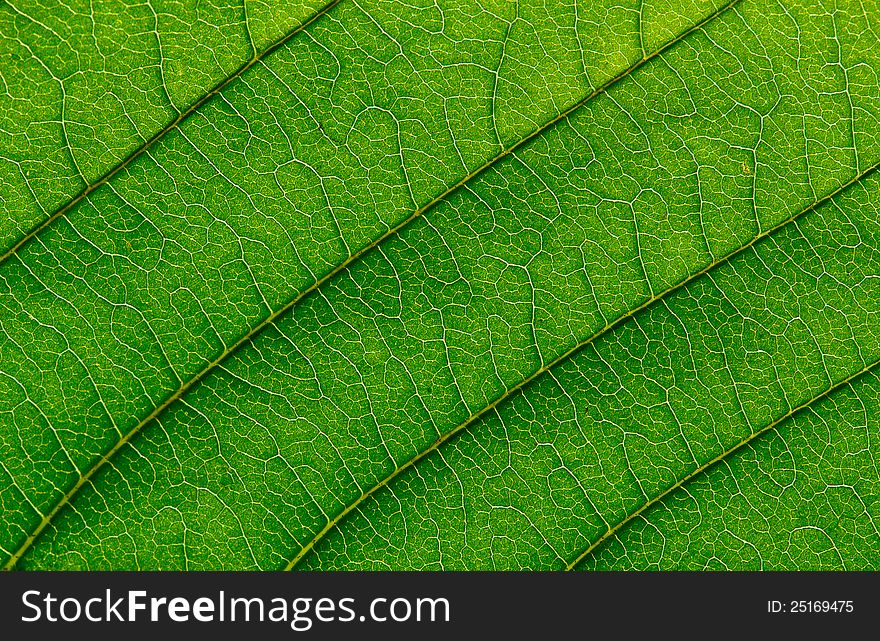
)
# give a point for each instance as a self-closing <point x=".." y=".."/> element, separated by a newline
<point x="565" y="356"/>
<point x="718" y="459"/>
<point x="125" y="162"/>
<point x="251" y="334"/>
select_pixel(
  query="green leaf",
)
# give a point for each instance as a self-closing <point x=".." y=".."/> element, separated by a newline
<point x="463" y="287"/>
<point x="86" y="88"/>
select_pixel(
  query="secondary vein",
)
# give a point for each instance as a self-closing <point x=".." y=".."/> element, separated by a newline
<point x="183" y="115"/>
<point x="721" y="457"/>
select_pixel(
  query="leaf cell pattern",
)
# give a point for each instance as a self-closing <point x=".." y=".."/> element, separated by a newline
<point x="378" y="285"/>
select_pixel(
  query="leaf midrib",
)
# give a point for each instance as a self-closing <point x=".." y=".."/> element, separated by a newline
<point x="649" y="302"/>
<point x="723" y="456"/>
<point x="174" y="124"/>
<point x="258" y="328"/>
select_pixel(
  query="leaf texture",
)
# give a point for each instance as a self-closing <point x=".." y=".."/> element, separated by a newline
<point x="85" y="87"/>
<point x="466" y="287"/>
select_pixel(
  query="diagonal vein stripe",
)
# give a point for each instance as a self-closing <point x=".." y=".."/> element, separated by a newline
<point x="705" y="467"/>
<point x="125" y="162"/>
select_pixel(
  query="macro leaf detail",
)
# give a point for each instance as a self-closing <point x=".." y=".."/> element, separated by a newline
<point x="447" y="287"/>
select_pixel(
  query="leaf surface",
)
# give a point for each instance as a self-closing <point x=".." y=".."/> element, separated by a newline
<point x="423" y="288"/>
<point x="737" y="412"/>
<point x="88" y="86"/>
